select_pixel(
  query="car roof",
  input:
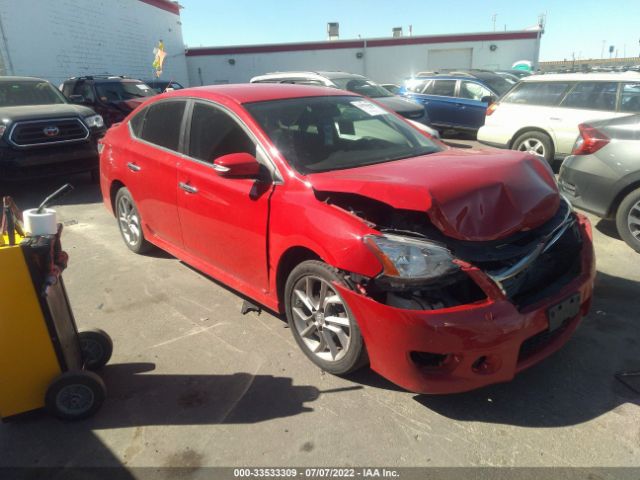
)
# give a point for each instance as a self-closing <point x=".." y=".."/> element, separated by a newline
<point x="307" y="74"/>
<point x="21" y="79"/>
<point x="257" y="92"/>
<point x="580" y="77"/>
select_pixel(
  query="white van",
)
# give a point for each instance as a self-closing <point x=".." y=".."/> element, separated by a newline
<point x="541" y="113"/>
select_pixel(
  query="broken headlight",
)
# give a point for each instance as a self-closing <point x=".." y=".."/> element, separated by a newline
<point x="410" y="259"/>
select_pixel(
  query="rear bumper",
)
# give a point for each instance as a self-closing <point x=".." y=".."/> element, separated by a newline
<point x="494" y="136"/>
<point x="588" y="183"/>
<point x="509" y="340"/>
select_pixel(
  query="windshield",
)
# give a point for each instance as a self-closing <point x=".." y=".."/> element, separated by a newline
<point x="29" y="92"/>
<point x="362" y="86"/>
<point x="497" y="83"/>
<point x="318" y="134"/>
<point x="118" y="91"/>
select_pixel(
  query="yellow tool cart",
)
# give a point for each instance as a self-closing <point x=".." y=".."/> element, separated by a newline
<point x="44" y="361"/>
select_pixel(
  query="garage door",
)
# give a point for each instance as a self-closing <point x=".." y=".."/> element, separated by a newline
<point x="449" y="58"/>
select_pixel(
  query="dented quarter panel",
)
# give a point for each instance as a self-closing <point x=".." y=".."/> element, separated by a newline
<point x="475" y="196"/>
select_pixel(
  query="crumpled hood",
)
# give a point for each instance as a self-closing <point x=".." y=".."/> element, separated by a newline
<point x="476" y="195"/>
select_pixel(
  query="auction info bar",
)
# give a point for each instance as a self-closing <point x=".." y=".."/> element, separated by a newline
<point x="317" y="473"/>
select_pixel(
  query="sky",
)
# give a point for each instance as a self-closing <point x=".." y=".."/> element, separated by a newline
<point x="577" y="28"/>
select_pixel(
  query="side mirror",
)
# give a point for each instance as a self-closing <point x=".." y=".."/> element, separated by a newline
<point x="489" y="99"/>
<point x="237" y="165"/>
<point x="77" y="99"/>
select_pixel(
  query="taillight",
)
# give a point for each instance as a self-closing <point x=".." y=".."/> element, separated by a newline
<point x="590" y="140"/>
<point x="491" y="108"/>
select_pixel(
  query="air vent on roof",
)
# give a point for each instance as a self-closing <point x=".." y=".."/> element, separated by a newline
<point x="397" y="32"/>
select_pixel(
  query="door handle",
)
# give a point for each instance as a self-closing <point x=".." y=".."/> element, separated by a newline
<point x="133" y="167"/>
<point x="187" y="188"/>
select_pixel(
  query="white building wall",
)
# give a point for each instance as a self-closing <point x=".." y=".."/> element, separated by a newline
<point x="384" y="64"/>
<point x="64" y="38"/>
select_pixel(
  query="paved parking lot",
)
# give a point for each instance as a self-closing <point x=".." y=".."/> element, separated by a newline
<point x="194" y="383"/>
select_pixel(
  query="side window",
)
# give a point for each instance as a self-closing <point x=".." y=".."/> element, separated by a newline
<point x="416" y="86"/>
<point x="592" y="96"/>
<point x="162" y="124"/>
<point x="67" y="89"/>
<point x="473" y="91"/>
<point x="86" y="91"/>
<point x="630" y="98"/>
<point x="443" y="88"/>
<point x="214" y="133"/>
<point x="538" y="93"/>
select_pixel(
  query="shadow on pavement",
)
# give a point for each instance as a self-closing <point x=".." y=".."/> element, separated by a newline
<point x="608" y="228"/>
<point x="29" y="194"/>
<point x="575" y="385"/>
<point x="137" y="398"/>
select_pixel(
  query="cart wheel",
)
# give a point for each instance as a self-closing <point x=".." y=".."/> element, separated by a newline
<point x="96" y="347"/>
<point x="75" y="395"/>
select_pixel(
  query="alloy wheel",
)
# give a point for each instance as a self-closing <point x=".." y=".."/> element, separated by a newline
<point x="321" y="318"/>
<point x="532" y="146"/>
<point x="128" y="220"/>
<point x="633" y="221"/>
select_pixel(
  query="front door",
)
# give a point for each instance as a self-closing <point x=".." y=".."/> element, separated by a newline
<point x="224" y="220"/>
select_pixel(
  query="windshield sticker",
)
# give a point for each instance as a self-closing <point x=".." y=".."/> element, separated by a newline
<point x="369" y="108"/>
<point x="142" y="86"/>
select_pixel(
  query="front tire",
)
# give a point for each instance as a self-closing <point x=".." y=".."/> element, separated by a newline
<point x="628" y="219"/>
<point x="321" y="321"/>
<point x="535" y="143"/>
<point x="130" y="223"/>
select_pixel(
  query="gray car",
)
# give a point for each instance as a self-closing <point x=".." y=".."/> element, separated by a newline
<point x="602" y="175"/>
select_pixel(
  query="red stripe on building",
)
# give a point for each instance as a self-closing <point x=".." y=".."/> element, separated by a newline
<point x="167" y="5"/>
<point x="386" y="42"/>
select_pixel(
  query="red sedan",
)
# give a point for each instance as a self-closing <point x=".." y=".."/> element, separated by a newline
<point x="444" y="269"/>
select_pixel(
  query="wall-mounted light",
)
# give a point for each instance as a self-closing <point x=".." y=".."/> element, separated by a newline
<point x="232" y="61"/>
<point x="359" y="54"/>
<point x="493" y="47"/>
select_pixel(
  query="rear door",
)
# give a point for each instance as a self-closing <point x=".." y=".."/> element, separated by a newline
<point x="151" y="163"/>
<point x="585" y="101"/>
<point x="470" y="107"/>
<point x="224" y="220"/>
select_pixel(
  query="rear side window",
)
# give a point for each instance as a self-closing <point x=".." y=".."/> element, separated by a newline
<point x="592" y="96"/>
<point x="537" y="93"/>
<point x="137" y="121"/>
<point x="214" y="133"/>
<point x="630" y="98"/>
<point x="443" y="88"/>
<point x="162" y="123"/>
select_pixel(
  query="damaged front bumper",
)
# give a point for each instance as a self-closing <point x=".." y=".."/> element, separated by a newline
<point x="468" y="346"/>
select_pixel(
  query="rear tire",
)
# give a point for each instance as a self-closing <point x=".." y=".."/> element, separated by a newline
<point x="321" y="322"/>
<point x="628" y="219"/>
<point x="75" y="395"/>
<point x="535" y="143"/>
<point x="130" y="222"/>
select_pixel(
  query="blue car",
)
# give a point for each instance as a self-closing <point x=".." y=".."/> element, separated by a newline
<point x="456" y="100"/>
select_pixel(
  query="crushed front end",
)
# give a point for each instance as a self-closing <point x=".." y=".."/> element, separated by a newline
<point x="491" y="310"/>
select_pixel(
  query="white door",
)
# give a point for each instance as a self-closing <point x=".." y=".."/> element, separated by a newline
<point x="449" y="58"/>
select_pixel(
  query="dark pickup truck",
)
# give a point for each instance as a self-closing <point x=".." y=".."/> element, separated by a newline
<point x="42" y="134"/>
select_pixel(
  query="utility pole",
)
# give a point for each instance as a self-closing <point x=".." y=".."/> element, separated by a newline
<point x="602" y="51"/>
<point x="493" y="19"/>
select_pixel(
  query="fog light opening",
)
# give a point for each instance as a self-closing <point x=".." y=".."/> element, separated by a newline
<point x="428" y="359"/>
<point x="486" y="364"/>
